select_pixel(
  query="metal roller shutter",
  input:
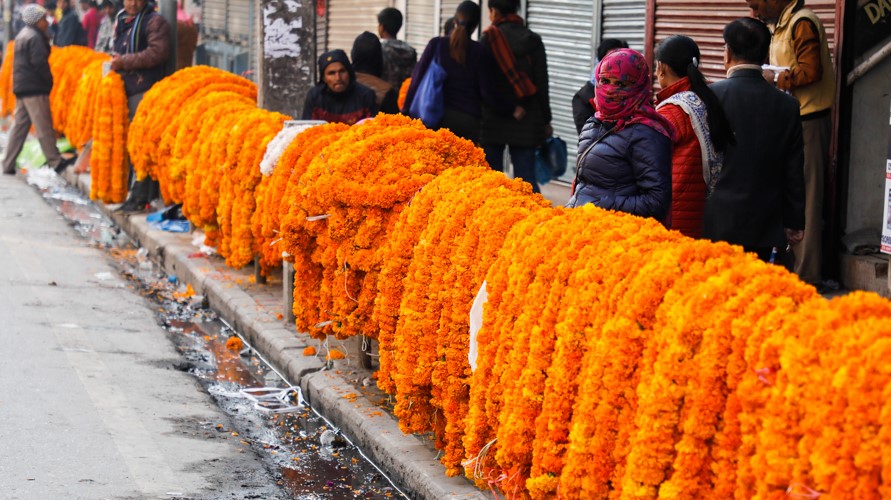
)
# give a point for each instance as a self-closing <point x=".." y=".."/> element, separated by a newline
<point x="625" y="20"/>
<point x="704" y="21"/>
<point x="420" y="23"/>
<point x="447" y="10"/>
<point x="348" y="18"/>
<point x="240" y="20"/>
<point x="566" y="28"/>
<point x="213" y="17"/>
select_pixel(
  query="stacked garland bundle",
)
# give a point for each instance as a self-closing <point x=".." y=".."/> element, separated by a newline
<point x="618" y="359"/>
<point x="79" y="126"/>
<point x="443" y="244"/>
<point x="201" y="135"/>
<point x="277" y="186"/>
<point x="109" y="170"/>
<point x="7" y="98"/>
<point x="169" y="120"/>
<point x="350" y="196"/>
<point x="67" y="66"/>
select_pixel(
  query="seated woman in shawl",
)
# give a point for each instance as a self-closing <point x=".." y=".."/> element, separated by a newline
<point x="624" y="160"/>
<point x="702" y="132"/>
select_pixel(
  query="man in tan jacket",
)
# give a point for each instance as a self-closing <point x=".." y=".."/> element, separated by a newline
<point x="799" y="43"/>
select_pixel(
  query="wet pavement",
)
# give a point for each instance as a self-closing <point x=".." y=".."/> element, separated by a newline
<point x="305" y="454"/>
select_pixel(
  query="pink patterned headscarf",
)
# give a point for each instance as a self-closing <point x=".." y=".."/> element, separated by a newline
<point x="631" y="103"/>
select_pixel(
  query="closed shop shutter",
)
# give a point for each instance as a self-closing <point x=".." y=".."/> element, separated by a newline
<point x="565" y="27"/>
<point x="420" y="23"/>
<point x="704" y="21"/>
<point x="348" y="18"/>
<point x="240" y="20"/>
<point x="447" y="10"/>
<point x="227" y="20"/>
<point x="625" y="20"/>
<point x="213" y="17"/>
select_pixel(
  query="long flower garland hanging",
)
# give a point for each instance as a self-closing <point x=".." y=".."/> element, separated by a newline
<point x="79" y="126"/>
<point x="67" y="65"/>
<point x="7" y="98"/>
<point x="109" y="170"/>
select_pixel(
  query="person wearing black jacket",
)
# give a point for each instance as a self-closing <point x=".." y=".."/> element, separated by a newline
<point x="32" y="82"/>
<point x="758" y="201"/>
<point x="520" y="55"/>
<point x="70" y="30"/>
<point x="338" y="97"/>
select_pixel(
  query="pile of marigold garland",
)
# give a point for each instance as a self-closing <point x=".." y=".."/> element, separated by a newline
<point x="85" y="106"/>
<point x="615" y="358"/>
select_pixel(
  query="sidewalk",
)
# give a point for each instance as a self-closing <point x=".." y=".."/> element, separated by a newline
<point x="345" y="394"/>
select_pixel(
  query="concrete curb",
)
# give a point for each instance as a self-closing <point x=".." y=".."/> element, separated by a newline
<point x="336" y="393"/>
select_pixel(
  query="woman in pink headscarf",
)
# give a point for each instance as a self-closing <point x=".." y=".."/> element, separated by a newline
<point x="624" y="157"/>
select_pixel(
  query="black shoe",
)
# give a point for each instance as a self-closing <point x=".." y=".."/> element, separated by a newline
<point x="65" y="163"/>
<point x="7" y="172"/>
<point x="132" y="207"/>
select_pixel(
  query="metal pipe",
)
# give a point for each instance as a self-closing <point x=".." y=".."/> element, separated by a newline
<point x="869" y="63"/>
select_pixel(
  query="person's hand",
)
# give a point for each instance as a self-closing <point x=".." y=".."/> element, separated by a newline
<point x="116" y="64"/>
<point x="519" y="113"/>
<point x="769" y="76"/>
<point x="794" y="236"/>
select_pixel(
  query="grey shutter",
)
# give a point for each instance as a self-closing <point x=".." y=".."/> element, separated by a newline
<point x="566" y="28"/>
<point x="447" y="10"/>
<point x="420" y="23"/>
<point x="213" y="17"/>
<point x="239" y="21"/>
<point x="625" y="20"/>
<point x="348" y="18"/>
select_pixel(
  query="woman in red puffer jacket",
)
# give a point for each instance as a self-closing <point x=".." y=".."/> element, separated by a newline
<point x="702" y="132"/>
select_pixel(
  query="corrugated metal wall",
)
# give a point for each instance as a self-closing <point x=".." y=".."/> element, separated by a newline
<point x="348" y="18"/>
<point x="625" y="20"/>
<point x="704" y="21"/>
<point x="419" y="23"/>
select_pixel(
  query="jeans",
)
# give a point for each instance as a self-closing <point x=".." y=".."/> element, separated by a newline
<point x="523" y="160"/>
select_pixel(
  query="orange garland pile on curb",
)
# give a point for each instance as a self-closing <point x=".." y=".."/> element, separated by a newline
<point x="67" y="65"/>
<point x="616" y="358"/>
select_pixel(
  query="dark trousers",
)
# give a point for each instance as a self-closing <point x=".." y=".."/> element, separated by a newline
<point x="148" y="189"/>
<point x="523" y="160"/>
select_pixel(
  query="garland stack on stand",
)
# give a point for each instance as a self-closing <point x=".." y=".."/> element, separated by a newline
<point x="615" y="358"/>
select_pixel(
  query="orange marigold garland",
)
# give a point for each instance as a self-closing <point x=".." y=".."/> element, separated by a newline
<point x="67" y="65"/>
<point x="79" y="126"/>
<point x="7" y="98"/>
<point x="165" y="100"/>
<point x="109" y="170"/>
<point x="403" y="93"/>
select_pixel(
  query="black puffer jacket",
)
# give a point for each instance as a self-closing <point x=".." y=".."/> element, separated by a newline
<point x="31" y="73"/>
<point x="628" y="170"/>
<point x="529" y="53"/>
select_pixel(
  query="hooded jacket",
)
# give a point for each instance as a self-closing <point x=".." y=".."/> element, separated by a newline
<point x="355" y="103"/>
<point x="31" y="75"/>
<point x="529" y="132"/>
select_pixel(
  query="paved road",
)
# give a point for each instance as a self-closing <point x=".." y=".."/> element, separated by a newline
<point x="90" y="404"/>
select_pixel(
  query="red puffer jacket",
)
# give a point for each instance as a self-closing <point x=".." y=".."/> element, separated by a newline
<point x="687" y="183"/>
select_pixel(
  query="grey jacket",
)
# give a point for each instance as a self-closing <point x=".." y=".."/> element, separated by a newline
<point x="31" y="73"/>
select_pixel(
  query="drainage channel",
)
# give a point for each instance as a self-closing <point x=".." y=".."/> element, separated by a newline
<point x="305" y="453"/>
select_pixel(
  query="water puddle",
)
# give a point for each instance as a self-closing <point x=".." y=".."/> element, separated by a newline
<point x="308" y="457"/>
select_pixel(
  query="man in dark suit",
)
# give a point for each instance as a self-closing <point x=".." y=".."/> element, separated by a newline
<point x="758" y="201"/>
